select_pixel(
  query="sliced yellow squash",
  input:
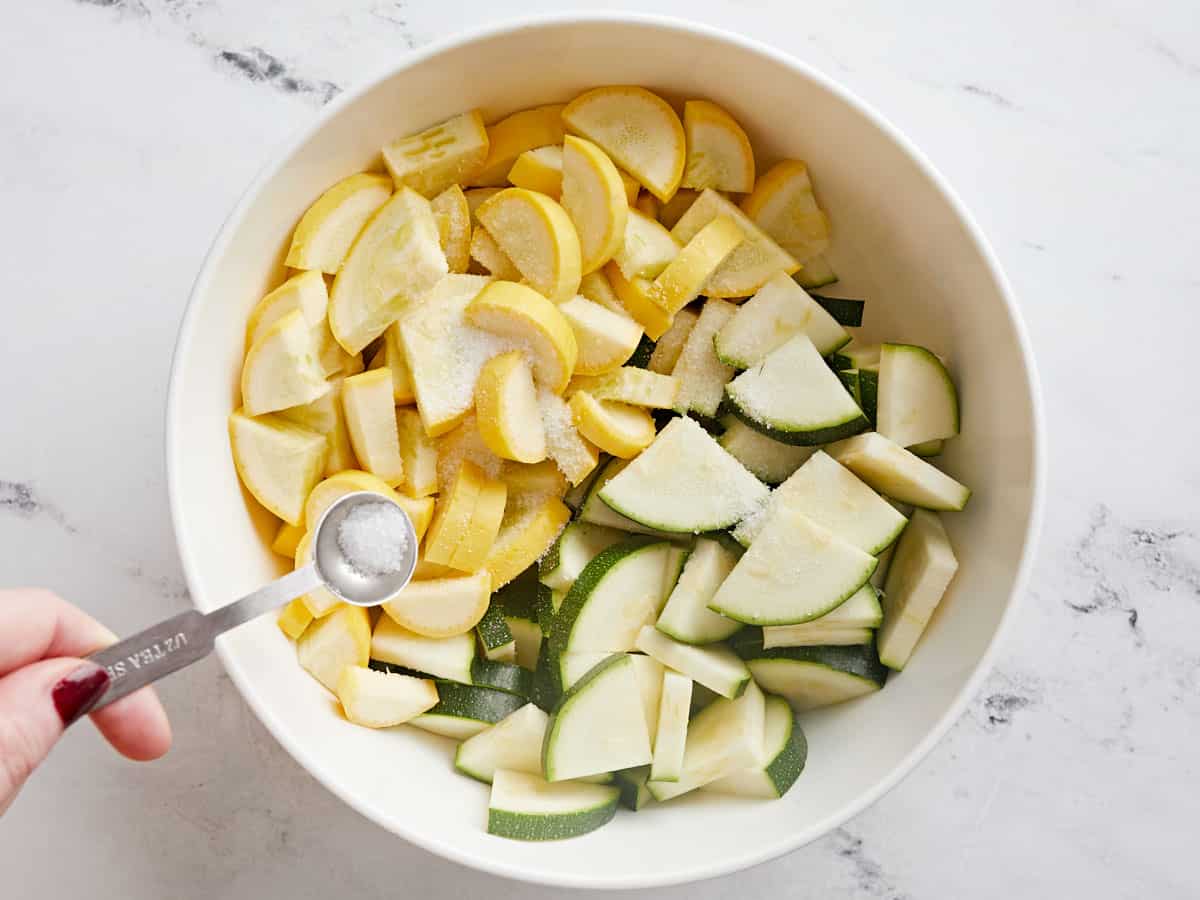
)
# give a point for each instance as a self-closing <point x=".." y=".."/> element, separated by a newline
<point x="277" y="461"/>
<point x="391" y="357"/>
<point x="487" y="253"/>
<point x="340" y="639"/>
<point x="784" y="206"/>
<point x="476" y="539"/>
<point x="418" y="454"/>
<point x="595" y="287"/>
<point x="453" y="217"/>
<point x="637" y="129"/>
<point x="513" y="135"/>
<point x="520" y="314"/>
<point x="452" y="514"/>
<point x="528" y="530"/>
<point x="682" y="280"/>
<point x="672" y="211"/>
<point x="286" y="539"/>
<point x="281" y="369"/>
<point x="395" y="260"/>
<point x="327" y="229"/>
<point x="629" y="384"/>
<point x="633" y="187"/>
<point x="616" y="428"/>
<point x="294" y="618"/>
<point x="540" y="169"/>
<point x="574" y="455"/>
<point x="371" y="421"/>
<point x="748" y="267"/>
<point x="432" y="160"/>
<point x="594" y="197"/>
<point x="507" y="411"/>
<point x="605" y="339"/>
<point x="326" y="416"/>
<point x="383" y="699"/>
<point x="719" y="154"/>
<point x="537" y="235"/>
<point x="646" y="248"/>
<point x="634" y="294"/>
<point x="305" y="292"/>
<point x="441" y="607"/>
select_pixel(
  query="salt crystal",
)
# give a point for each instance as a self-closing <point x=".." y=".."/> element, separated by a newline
<point x="374" y="538"/>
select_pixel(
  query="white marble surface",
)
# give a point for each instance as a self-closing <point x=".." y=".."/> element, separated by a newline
<point x="130" y="127"/>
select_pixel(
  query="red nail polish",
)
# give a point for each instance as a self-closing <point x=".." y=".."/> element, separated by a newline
<point x="79" y="692"/>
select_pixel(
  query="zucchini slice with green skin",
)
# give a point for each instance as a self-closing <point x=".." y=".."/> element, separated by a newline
<point x="816" y="272"/>
<point x="851" y="382"/>
<point x="769" y="460"/>
<point x="917" y="398"/>
<point x="685" y="482"/>
<point x="670" y="737"/>
<point x="813" y="635"/>
<point x="649" y="673"/>
<point x="604" y="702"/>
<point x="862" y="610"/>
<point x="495" y="637"/>
<point x="921" y="570"/>
<point x="716" y="666"/>
<point x="513" y="743"/>
<point x="868" y="392"/>
<point x="835" y="498"/>
<point x="503" y="676"/>
<point x="617" y="592"/>
<point x="795" y="571"/>
<point x="526" y="807"/>
<point x="464" y="710"/>
<point x="845" y="311"/>
<point x="927" y="449"/>
<point x="444" y="658"/>
<point x="779" y="310"/>
<point x="686" y="617"/>
<point x="785" y="751"/>
<point x="857" y="356"/>
<point x="578" y="544"/>
<point x="519" y="602"/>
<point x="812" y="677"/>
<point x="632" y="785"/>
<point x="547" y="682"/>
<point x="724" y="737"/>
<point x="596" y="512"/>
<point x="794" y="397"/>
<point x="899" y="474"/>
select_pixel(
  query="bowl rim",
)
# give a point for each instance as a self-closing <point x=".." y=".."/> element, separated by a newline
<point x="787" y="842"/>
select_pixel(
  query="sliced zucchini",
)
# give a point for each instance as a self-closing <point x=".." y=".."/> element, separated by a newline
<point x="917" y="399"/>
<point x="812" y="635"/>
<point x="597" y="512"/>
<point x="862" y="610"/>
<point x="927" y="449"/>
<point x="817" y="272"/>
<point x="547" y="685"/>
<point x="526" y="807"/>
<point x="716" y="667"/>
<point x="445" y="658"/>
<point x="670" y="737"/>
<point x="649" y="672"/>
<point x="684" y="482"/>
<point x="495" y="637"/>
<point x="777" y="312"/>
<point x="463" y="710"/>
<point x="785" y="750"/>
<point x="832" y="496"/>
<point x="844" y="310"/>
<point x="686" y="617"/>
<point x="513" y="743"/>
<point x="868" y="393"/>
<point x="857" y="356"/>
<point x="598" y="704"/>
<point x="811" y="677"/>
<point x="768" y="459"/>
<point x="903" y="476"/>
<point x="618" y="592"/>
<point x="503" y="676"/>
<point x="637" y="387"/>
<point x="795" y="571"/>
<point x="518" y="601"/>
<point x="632" y="785"/>
<point x="676" y="559"/>
<point x="793" y="397"/>
<point x="575" y="548"/>
<point x="920" y="572"/>
<point x="700" y="373"/>
<point x="723" y="738"/>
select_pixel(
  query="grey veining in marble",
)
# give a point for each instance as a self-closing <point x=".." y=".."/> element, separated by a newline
<point x="1070" y="129"/>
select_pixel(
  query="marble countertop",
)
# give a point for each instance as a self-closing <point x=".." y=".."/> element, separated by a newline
<point x="131" y="126"/>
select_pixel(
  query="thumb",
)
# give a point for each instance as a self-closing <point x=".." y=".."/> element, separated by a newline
<point x="37" y="702"/>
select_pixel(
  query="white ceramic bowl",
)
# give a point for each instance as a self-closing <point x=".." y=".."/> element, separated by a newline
<point x="902" y="240"/>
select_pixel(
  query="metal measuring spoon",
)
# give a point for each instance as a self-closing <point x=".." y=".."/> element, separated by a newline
<point x="183" y="639"/>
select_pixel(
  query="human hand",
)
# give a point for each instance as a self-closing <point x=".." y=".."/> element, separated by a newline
<point x="45" y="686"/>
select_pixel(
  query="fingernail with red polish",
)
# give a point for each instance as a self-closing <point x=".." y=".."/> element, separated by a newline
<point x="79" y="692"/>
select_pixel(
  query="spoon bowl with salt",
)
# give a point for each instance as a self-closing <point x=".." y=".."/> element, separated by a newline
<point x="364" y="552"/>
